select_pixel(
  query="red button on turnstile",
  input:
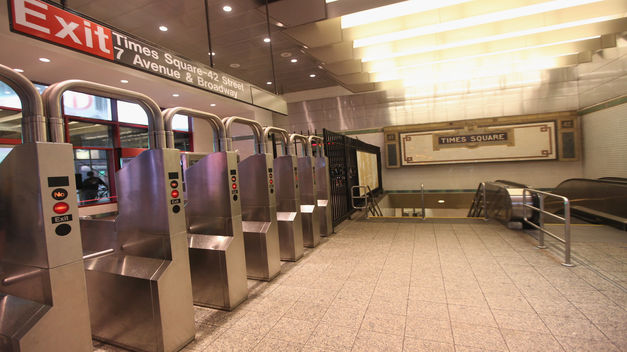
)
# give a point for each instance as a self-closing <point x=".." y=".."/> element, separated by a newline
<point x="271" y="182"/>
<point x="234" y="186"/>
<point x="175" y="194"/>
<point x="61" y="208"/>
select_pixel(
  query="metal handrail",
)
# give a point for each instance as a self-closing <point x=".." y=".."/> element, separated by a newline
<point x="422" y="197"/>
<point x="364" y="197"/>
<point x="565" y="219"/>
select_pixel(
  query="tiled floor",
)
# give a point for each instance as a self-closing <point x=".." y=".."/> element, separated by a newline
<point x="415" y="286"/>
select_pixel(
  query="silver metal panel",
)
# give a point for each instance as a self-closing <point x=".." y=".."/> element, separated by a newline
<point x="43" y="302"/>
<point x="216" y="241"/>
<point x="261" y="237"/>
<point x="324" y="195"/>
<point x="308" y="198"/>
<point x="140" y="296"/>
<point x="288" y="207"/>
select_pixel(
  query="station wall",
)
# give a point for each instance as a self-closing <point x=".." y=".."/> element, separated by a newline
<point x="564" y="89"/>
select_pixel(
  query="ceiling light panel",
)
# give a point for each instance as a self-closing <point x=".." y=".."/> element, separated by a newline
<point x="516" y="13"/>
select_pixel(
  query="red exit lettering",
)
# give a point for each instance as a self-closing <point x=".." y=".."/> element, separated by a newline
<point x="50" y="23"/>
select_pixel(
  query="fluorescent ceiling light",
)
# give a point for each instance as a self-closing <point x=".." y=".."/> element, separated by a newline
<point x="471" y="21"/>
<point x="394" y="10"/>
<point x="44" y="59"/>
<point x="212" y="105"/>
<point x="385" y="55"/>
<point x="124" y="81"/>
<point x="18" y="70"/>
<point x="387" y="66"/>
<point x="266" y="40"/>
<point x="163" y="28"/>
<point x="294" y="60"/>
<point x="328" y="1"/>
<point x="312" y="75"/>
<point x="227" y="8"/>
<point x="175" y="95"/>
<point x="268" y="83"/>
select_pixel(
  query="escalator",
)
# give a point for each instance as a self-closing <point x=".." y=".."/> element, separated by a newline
<point x="502" y="200"/>
<point x="598" y="201"/>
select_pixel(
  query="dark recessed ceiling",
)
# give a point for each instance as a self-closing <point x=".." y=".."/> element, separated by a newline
<point x="237" y="37"/>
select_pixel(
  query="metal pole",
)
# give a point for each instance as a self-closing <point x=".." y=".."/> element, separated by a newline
<point x="541" y="234"/>
<point x="485" y="202"/>
<point x="422" y="196"/>
<point x="567" y="234"/>
<point x="98" y="254"/>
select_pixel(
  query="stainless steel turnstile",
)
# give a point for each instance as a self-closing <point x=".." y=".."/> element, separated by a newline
<point x="323" y="186"/>
<point x="140" y="295"/>
<point x="214" y="219"/>
<point x="43" y="300"/>
<point x="288" y="198"/>
<point x="261" y="237"/>
<point x="308" y="192"/>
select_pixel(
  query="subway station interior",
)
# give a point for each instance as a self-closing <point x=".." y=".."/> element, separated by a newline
<point x="313" y="175"/>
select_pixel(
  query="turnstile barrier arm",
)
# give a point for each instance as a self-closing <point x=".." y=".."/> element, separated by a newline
<point x="285" y="137"/>
<point x="305" y="142"/>
<point x="52" y="106"/>
<point x="254" y="125"/>
<point x="220" y="140"/>
<point x="33" y="121"/>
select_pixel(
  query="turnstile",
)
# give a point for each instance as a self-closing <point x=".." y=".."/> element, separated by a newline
<point x="323" y="186"/>
<point x="214" y="219"/>
<point x="43" y="300"/>
<point x="308" y="192"/>
<point x="140" y="295"/>
<point x="287" y="198"/>
<point x="259" y="218"/>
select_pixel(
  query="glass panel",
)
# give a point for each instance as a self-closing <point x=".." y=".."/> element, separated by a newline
<point x="180" y="123"/>
<point x="4" y="151"/>
<point x="132" y="137"/>
<point x="181" y="141"/>
<point x="10" y="124"/>
<point x="8" y="97"/>
<point x="92" y="176"/>
<point x="86" y="134"/>
<point x="85" y="105"/>
<point x="131" y="113"/>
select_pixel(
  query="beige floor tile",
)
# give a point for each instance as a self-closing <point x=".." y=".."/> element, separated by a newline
<point x="571" y="327"/>
<point x="274" y="345"/>
<point x="471" y="315"/>
<point x="343" y="316"/>
<point x="234" y="340"/>
<point x="478" y="336"/>
<point x="464" y="298"/>
<point x="519" y="303"/>
<point x="433" y="330"/>
<point x="392" y="324"/>
<point x="292" y="330"/>
<point x="258" y="323"/>
<point x="523" y="321"/>
<point x="419" y="345"/>
<point x="205" y="336"/>
<point x="428" y="310"/>
<point x="303" y="310"/>
<point x="573" y="344"/>
<point x="370" y="341"/>
<point x="523" y="341"/>
<point x="318" y="296"/>
<point x="331" y="337"/>
<point x="616" y="332"/>
<point x="388" y="304"/>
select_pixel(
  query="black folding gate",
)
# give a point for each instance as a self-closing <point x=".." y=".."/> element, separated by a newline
<point x="342" y="153"/>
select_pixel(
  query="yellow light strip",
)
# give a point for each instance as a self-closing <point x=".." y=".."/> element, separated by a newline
<point x="465" y="58"/>
<point x="471" y="21"/>
<point x="393" y="11"/>
<point x="383" y="56"/>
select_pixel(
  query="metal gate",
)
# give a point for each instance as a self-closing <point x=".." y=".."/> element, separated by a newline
<point x="343" y="171"/>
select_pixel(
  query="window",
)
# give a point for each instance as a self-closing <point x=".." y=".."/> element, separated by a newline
<point x="180" y="123"/>
<point x="87" y="134"/>
<point x="4" y="151"/>
<point x="92" y="170"/>
<point x="182" y="141"/>
<point x="133" y="137"/>
<point x="131" y="113"/>
<point x="10" y="125"/>
<point x="84" y="105"/>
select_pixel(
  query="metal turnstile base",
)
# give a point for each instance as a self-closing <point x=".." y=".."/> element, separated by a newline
<point x="261" y="242"/>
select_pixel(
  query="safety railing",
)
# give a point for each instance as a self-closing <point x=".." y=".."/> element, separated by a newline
<point x="422" y="200"/>
<point x="540" y="226"/>
<point x="479" y="203"/>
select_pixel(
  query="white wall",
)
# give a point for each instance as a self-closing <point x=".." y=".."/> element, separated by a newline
<point x="605" y="142"/>
<point x="542" y="174"/>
